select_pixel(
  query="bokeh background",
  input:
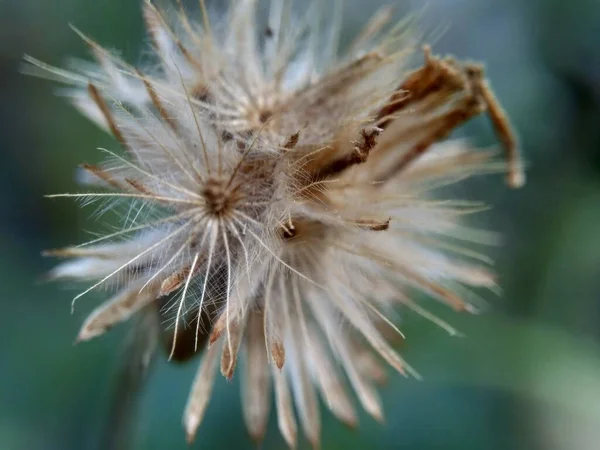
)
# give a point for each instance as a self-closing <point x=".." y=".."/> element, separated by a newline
<point x="527" y="374"/>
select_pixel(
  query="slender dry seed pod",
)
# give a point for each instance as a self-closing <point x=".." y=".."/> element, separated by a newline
<point x="281" y="200"/>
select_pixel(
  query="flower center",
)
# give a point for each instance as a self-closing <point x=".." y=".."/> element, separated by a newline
<point x="219" y="197"/>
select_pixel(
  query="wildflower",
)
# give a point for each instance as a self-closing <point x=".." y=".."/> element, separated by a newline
<point x="282" y="200"/>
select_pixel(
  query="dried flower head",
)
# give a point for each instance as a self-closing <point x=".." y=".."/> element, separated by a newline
<point x="280" y="200"/>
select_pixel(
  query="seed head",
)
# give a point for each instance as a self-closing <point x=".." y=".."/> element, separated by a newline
<point x="282" y="200"/>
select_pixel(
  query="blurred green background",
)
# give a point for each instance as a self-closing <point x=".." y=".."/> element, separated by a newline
<point x="527" y="374"/>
